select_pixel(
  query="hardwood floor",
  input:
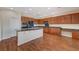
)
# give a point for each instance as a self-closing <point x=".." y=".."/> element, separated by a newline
<point x="48" y="42"/>
<point x="9" y="44"/>
<point x="51" y="43"/>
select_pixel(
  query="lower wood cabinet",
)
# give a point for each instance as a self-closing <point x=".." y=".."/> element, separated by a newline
<point x="46" y="30"/>
<point x="55" y="31"/>
<point x="75" y="35"/>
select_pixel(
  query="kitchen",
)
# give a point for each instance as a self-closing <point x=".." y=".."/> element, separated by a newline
<point x="19" y="28"/>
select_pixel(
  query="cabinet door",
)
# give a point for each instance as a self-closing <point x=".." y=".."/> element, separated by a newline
<point x="41" y="21"/>
<point x="57" y="20"/>
<point x="66" y="19"/>
<point x="75" y="18"/>
<point x="75" y="35"/>
<point x="38" y="21"/>
<point x="35" y="21"/>
<point x="51" y="20"/>
<point x="46" y="19"/>
<point x="55" y="31"/>
<point x="46" y="30"/>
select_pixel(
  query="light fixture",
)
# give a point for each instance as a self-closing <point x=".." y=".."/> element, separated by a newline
<point x="40" y="16"/>
<point x="11" y="8"/>
<point x="30" y="9"/>
<point x="49" y="8"/>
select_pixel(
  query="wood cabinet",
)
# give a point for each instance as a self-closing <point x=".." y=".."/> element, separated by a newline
<point x="53" y="20"/>
<point x="75" y="35"/>
<point x="46" y="20"/>
<point x="66" y="19"/>
<point x="26" y="19"/>
<point x="40" y="21"/>
<point x="75" y="18"/>
<point x="54" y="31"/>
<point x="46" y="30"/>
<point x="35" y="21"/>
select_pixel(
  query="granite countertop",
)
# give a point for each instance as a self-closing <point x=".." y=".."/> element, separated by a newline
<point x="29" y="29"/>
<point x="41" y="27"/>
<point x="46" y="27"/>
<point x="68" y="29"/>
<point x="63" y="29"/>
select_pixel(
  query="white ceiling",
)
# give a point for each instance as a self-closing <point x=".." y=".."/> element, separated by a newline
<point x="41" y="12"/>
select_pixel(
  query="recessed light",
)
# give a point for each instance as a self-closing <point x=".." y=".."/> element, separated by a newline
<point x="30" y="8"/>
<point x="58" y="7"/>
<point x="11" y="8"/>
<point x="40" y="16"/>
<point x="49" y="8"/>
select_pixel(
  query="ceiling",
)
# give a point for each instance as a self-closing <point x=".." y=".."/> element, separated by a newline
<point x="41" y="12"/>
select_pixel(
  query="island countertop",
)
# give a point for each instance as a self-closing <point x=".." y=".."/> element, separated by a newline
<point x="29" y="29"/>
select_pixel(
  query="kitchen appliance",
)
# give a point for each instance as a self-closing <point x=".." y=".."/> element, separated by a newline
<point x="46" y="23"/>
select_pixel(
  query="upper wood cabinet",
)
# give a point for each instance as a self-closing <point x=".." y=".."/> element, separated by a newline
<point x="58" y="20"/>
<point x="66" y="19"/>
<point x="35" y="21"/>
<point x="41" y="21"/>
<point x="53" y="20"/>
<point x="75" y="18"/>
<point x="24" y="19"/>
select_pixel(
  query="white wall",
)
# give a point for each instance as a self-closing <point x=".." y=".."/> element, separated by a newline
<point x="10" y="22"/>
<point x="0" y="29"/>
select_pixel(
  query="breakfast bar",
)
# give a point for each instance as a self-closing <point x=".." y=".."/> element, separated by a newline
<point x="28" y="34"/>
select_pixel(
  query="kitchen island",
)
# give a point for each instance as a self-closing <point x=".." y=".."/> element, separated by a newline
<point x="28" y="34"/>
